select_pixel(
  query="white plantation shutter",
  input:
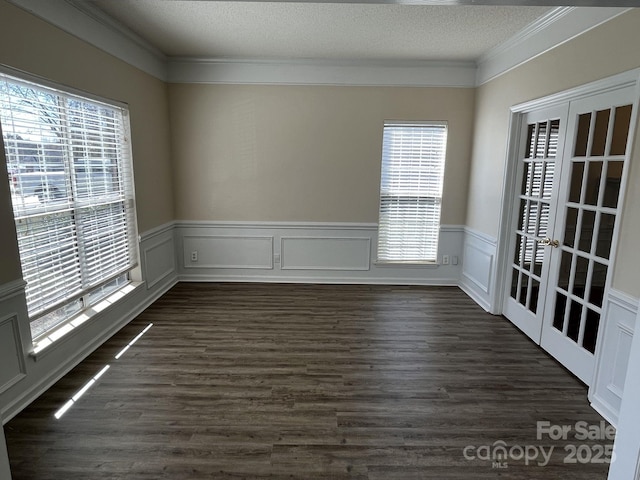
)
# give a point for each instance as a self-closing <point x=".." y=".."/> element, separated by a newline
<point x="413" y="157"/>
<point x="69" y="164"/>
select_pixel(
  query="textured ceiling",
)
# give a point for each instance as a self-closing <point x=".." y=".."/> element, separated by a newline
<point x="284" y="30"/>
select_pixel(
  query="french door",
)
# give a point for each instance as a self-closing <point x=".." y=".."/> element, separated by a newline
<point x="571" y="160"/>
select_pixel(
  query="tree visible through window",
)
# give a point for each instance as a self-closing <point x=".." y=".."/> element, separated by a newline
<point x="413" y="159"/>
<point x="69" y="165"/>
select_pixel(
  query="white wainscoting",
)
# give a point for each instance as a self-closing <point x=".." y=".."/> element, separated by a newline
<point x="478" y="276"/>
<point x="614" y="346"/>
<point x="303" y="252"/>
<point x="23" y="377"/>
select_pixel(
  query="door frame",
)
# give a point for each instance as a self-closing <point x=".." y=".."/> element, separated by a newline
<point x="509" y="184"/>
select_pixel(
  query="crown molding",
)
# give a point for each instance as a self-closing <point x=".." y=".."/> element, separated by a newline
<point x="557" y="27"/>
<point x="319" y="72"/>
<point x="90" y="24"/>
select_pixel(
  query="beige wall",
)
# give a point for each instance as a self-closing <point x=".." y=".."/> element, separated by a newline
<point x="29" y="44"/>
<point x="302" y="153"/>
<point x="604" y="51"/>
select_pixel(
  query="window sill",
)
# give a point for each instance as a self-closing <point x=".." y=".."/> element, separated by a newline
<point x="45" y="343"/>
<point x="411" y="264"/>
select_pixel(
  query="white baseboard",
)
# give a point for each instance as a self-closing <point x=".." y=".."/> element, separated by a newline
<point x="620" y="312"/>
<point x="302" y="253"/>
<point x="478" y="275"/>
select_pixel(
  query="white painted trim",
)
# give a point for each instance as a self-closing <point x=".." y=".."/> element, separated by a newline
<point x="11" y="289"/>
<point x="169" y="270"/>
<point x="338" y="280"/>
<point x="623" y="300"/>
<point x="271" y="225"/>
<point x="600" y="400"/>
<point x="478" y="244"/>
<point x="93" y="26"/>
<point x="317" y="72"/>
<point x="557" y="27"/>
<point x="17" y="338"/>
<point x="159" y="230"/>
<point x="283" y="240"/>
<point x="488" y="239"/>
<point x="90" y="24"/>
<point x="267" y="266"/>
<point x="604" y="85"/>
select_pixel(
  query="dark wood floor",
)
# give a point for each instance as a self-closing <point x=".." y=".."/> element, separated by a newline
<point x="307" y="382"/>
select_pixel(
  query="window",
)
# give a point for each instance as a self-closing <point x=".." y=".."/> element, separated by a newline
<point x="413" y="157"/>
<point x="69" y="165"/>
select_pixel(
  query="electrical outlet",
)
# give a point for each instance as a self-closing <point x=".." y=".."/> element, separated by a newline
<point x="276" y="258"/>
<point x="194" y="256"/>
<point x="445" y="259"/>
<point x="454" y="260"/>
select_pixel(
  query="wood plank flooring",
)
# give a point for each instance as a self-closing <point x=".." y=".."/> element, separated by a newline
<point x="273" y="381"/>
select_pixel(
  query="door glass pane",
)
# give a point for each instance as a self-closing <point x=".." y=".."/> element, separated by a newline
<point x="554" y="131"/>
<point x="543" y="222"/>
<point x="530" y="141"/>
<point x="522" y="214"/>
<point x="621" y="130"/>
<point x="558" y="315"/>
<point x="598" y="280"/>
<point x="539" y="259"/>
<point x="527" y="173"/>
<point x="576" y="182"/>
<point x="580" y="278"/>
<point x="605" y="235"/>
<point x="547" y="186"/>
<point x="565" y="271"/>
<point x="528" y="253"/>
<point x="575" y="317"/>
<point x="586" y="230"/>
<point x="514" y="283"/>
<point x="570" y="229"/>
<point x="582" y="136"/>
<point x="612" y="184"/>
<point x="591" y="330"/>
<point x="600" y="133"/>
<point x="519" y="253"/>
<point x="535" y="291"/>
<point x="536" y="183"/>
<point x="541" y="143"/>
<point x="524" y="288"/>
<point x="593" y="183"/>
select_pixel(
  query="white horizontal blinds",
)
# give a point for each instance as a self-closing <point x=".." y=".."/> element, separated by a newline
<point x="70" y="177"/>
<point x="413" y="158"/>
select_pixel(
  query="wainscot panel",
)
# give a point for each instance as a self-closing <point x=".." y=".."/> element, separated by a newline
<point x="305" y="253"/>
<point x="612" y="356"/>
<point x="478" y="277"/>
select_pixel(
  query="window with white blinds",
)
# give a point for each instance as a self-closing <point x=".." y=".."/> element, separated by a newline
<point x="413" y="158"/>
<point x="69" y="165"/>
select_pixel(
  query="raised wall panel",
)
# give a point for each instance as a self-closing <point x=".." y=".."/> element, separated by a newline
<point x="12" y="367"/>
<point x="612" y="356"/>
<point x="325" y="253"/>
<point x="228" y="251"/>
<point x="159" y="260"/>
<point x="305" y="253"/>
<point x="478" y="267"/>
